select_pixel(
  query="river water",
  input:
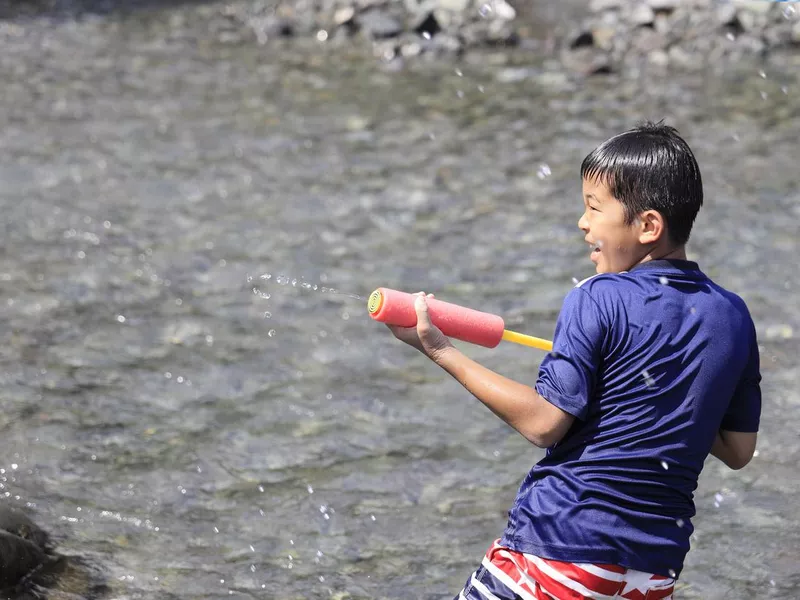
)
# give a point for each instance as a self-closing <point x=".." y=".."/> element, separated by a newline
<point x="194" y="438"/>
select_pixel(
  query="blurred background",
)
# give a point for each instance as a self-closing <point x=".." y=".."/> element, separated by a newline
<point x="198" y="197"/>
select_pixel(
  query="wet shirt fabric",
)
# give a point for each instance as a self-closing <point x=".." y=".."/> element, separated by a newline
<point x="652" y="363"/>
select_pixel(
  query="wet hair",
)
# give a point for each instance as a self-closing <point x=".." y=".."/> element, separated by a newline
<point x="650" y="167"/>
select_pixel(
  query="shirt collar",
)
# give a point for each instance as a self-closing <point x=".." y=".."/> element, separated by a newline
<point x="669" y="264"/>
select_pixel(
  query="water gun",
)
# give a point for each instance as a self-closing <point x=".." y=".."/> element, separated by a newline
<point x="475" y="327"/>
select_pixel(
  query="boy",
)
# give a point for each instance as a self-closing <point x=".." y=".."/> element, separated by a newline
<point x="653" y="367"/>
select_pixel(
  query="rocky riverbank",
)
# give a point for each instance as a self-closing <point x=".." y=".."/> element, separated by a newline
<point x="601" y="36"/>
<point x="683" y="33"/>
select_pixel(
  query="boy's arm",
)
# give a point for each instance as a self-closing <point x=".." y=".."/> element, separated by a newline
<point x="734" y="448"/>
<point x="519" y="405"/>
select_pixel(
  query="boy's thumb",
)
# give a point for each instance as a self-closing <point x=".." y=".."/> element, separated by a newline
<point x="421" y="308"/>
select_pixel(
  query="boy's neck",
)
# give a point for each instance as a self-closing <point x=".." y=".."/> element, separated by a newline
<point x="669" y="253"/>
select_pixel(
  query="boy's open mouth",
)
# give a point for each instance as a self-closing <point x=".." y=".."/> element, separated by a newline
<point x="595" y="252"/>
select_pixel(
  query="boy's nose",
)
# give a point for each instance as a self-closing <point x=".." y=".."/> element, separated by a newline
<point x="583" y="223"/>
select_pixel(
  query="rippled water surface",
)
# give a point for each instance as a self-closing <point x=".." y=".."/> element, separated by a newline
<point x="196" y="439"/>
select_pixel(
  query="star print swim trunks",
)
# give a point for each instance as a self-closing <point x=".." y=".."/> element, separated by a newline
<point x="508" y="575"/>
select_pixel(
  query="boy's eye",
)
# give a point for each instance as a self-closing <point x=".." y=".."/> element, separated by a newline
<point x="593" y="207"/>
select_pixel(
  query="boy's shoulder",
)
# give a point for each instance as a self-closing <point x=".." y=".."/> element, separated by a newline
<point x="610" y="288"/>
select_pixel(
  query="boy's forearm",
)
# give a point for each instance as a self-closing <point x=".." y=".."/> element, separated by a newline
<point x="517" y="404"/>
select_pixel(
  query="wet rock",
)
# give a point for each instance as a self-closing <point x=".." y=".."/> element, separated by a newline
<point x="30" y="568"/>
<point x="603" y="5"/>
<point x="641" y="15"/>
<point x="587" y="60"/>
<point x="664" y="5"/>
<point x="23" y="547"/>
<point x="684" y="33"/>
<point x="378" y="25"/>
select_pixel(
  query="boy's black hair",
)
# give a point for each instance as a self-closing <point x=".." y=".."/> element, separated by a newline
<point x="650" y="167"/>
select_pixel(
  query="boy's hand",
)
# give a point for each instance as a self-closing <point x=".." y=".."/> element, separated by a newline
<point x="425" y="337"/>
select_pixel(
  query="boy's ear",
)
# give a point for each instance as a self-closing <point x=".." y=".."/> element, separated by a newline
<point x="652" y="227"/>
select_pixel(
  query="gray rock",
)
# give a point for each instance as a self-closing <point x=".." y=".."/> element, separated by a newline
<point x="646" y="41"/>
<point x="597" y="6"/>
<point x="603" y="37"/>
<point x="754" y="6"/>
<point x="664" y="5"/>
<point x="658" y="57"/>
<point x="459" y="6"/>
<point x="344" y="15"/>
<point x="378" y="25"/>
<point x="641" y="15"/>
<point x="447" y="44"/>
<point x="725" y="14"/>
<point x="587" y="61"/>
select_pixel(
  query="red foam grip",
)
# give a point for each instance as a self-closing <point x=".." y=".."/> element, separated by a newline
<point x="459" y="322"/>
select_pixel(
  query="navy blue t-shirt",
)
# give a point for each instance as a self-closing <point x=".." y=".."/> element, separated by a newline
<point x="652" y="363"/>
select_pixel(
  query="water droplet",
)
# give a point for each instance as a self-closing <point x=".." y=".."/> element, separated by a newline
<point x="785" y="90"/>
<point x="485" y="10"/>
<point x="321" y="578"/>
<point x="271" y="333"/>
<point x="719" y="497"/>
<point x="267" y="315"/>
<point x="314" y="287"/>
<point x="372" y="517"/>
<point x="121" y="318"/>
<point x="788" y="11"/>
<point x="730" y="36"/>
<point x="672" y="573"/>
<point x="326" y="516"/>
<point x="664" y="465"/>
<point x="249" y="278"/>
<point x="294" y="282"/>
<point x="179" y="379"/>
<point x="426" y="35"/>
<point x="266" y="276"/>
<point x="693" y="310"/>
<point x="168" y="375"/>
<point x="253" y="568"/>
<point x="764" y="95"/>
<point x="762" y="74"/>
<point x="310" y="489"/>
<point x="261" y="489"/>
<point x="459" y="73"/>
<point x="322" y="35"/>
<point x="663" y="280"/>
<point x="543" y="171"/>
<point x="648" y="379"/>
<point x="319" y="553"/>
<point x="679" y="522"/>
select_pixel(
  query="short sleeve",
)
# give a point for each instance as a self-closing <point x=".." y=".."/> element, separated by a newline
<point x="744" y="411"/>
<point x="567" y="374"/>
